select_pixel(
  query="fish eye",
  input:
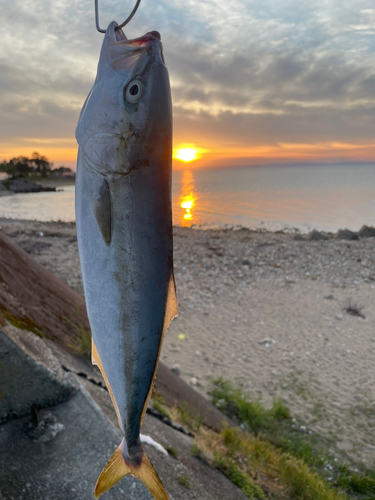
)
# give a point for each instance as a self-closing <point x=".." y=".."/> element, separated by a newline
<point x="134" y="91"/>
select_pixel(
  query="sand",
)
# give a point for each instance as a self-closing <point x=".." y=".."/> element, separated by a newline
<point x="266" y="312"/>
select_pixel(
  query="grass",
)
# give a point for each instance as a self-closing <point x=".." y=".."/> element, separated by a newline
<point x="184" y="481"/>
<point x="158" y="405"/>
<point x="261" y="470"/>
<point x="83" y="340"/>
<point x="270" y="444"/>
<point x="24" y="323"/>
<point x="357" y="484"/>
<point x="241" y="479"/>
<point x="251" y="413"/>
<point x="188" y="418"/>
<point x="171" y="451"/>
<point x="197" y="452"/>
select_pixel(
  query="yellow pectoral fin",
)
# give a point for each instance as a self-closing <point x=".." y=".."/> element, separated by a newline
<point x="95" y="359"/>
<point x="117" y="468"/>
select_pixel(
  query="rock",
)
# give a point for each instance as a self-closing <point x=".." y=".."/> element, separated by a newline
<point x="29" y="375"/>
<point x="346" y="234"/>
<point x="27" y="186"/>
<point x="176" y="369"/>
<point x="339" y="317"/>
<point x="34" y="247"/>
<point x="267" y="342"/>
<point x="329" y="297"/>
<point x="246" y="262"/>
<point x="299" y="237"/>
<point x="194" y="381"/>
<point x="366" y="232"/>
<point x="317" y="236"/>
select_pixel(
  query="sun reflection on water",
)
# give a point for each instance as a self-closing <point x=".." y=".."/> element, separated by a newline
<point x="187" y="198"/>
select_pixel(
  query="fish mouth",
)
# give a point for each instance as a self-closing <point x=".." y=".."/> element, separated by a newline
<point x="123" y="52"/>
<point x="118" y="36"/>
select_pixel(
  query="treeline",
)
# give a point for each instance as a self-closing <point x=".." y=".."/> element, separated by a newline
<point x="22" y="166"/>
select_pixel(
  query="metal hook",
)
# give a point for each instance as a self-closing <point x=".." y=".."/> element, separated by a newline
<point x="120" y="25"/>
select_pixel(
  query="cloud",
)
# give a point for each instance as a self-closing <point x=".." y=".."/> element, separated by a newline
<point x="244" y="71"/>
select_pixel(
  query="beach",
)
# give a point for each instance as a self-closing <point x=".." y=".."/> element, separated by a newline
<point x="268" y="313"/>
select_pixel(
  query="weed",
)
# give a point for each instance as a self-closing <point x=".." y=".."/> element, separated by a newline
<point x="158" y="405"/>
<point x="186" y="417"/>
<point x="83" y="340"/>
<point x="171" y="451"/>
<point x="184" y="481"/>
<point x="355" y="483"/>
<point x="281" y="450"/>
<point x="24" y="323"/>
<point x="261" y="470"/>
<point x="354" y="308"/>
<point x="249" y="412"/>
<point x="238" y="477"/>
<point x="197" y="452"/>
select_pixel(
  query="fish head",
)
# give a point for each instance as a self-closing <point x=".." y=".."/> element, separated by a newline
<point x="127" y="117"/>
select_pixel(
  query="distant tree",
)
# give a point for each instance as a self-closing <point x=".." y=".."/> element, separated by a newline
<point x="42" y="165"/>
<point x="61" y="170"/>
<point x="17" y="167"/>
<point x="21" y="166"/>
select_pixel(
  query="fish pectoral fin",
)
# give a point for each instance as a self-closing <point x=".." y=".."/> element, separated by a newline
<point x="102" y="208"/>
<point x="117" y="468"/>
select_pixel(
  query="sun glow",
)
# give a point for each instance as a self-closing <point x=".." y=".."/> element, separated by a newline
<point x="188" y="198"/>
<point x="186" y="154"/>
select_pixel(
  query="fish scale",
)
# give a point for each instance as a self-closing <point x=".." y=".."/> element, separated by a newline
<point x="124" y="232"/>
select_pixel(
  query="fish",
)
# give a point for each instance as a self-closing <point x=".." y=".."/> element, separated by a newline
<point x="124" y="233"/>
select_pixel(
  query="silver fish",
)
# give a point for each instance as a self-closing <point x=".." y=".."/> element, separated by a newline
<point x="124" y="228"/>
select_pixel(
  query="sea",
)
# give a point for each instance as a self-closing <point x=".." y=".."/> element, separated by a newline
<point x="274" y="198"/>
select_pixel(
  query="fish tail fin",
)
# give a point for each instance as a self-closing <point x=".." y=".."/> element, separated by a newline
<point x="117" y="468"/>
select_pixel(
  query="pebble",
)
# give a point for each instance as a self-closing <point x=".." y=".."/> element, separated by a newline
<point x="267" y="342"/>
<point x="194" y="381"/>
<point x="176" y="369"/>
<point x="339" y="317"/>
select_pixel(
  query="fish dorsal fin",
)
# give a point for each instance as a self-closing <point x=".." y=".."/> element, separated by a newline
<point x="101" y="206"/>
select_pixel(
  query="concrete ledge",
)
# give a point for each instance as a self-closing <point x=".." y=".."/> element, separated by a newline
<point x="60" y="454"/>
<point x="29" y="375"/>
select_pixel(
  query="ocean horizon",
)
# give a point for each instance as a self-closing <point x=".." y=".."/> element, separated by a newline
<point x="271" y="197"/>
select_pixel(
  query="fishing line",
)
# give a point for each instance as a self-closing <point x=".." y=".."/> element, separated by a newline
<point x="120" y="25"/>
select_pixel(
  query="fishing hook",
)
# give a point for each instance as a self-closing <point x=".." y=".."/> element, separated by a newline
<point x="120" y="25"/>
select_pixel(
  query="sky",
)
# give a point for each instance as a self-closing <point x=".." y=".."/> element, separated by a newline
<point x="253" y="82"/>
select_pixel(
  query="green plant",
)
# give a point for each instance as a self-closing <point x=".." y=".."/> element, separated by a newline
<point x="196" y="452"/>
<point x="184" y="481"/>
<point x="238" y="477"/>
<point x="188" y="418"/>
<point x="299" y="460"/>
<point x="158" y="405"/>
<point x="251" y="413"/>
<point x="171" y="451"/>
<point x="83" y="340"/>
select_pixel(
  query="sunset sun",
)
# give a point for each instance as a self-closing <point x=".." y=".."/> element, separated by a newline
<point x="186" y="154"/>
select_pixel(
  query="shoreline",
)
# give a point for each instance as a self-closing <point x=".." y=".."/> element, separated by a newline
<point x="44" y="183"/>
<point x="313" y="235"/>
<point x="266" y="312"/>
